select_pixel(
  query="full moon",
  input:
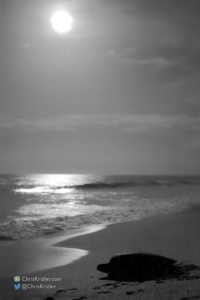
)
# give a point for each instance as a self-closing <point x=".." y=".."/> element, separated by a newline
<point x="61" y="21"/>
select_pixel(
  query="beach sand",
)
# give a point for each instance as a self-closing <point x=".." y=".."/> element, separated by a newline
<point x="174" y="236"/>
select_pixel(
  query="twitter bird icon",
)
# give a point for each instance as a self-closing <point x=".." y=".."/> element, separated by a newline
<point x="17" y="286"/>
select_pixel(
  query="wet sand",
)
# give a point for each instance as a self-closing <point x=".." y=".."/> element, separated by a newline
<point x="175" y="236"/>
<point x="38" y="254"/>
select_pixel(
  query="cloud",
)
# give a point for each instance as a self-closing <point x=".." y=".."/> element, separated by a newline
<point x="154" y="61"/>
<point x="155" y="56"/>
<point x="121" y="123"/>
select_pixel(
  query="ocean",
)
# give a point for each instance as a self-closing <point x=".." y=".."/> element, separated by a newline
<point x="35" y="205"/>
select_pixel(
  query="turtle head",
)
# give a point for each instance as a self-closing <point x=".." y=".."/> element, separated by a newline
<point x="105" y="268"/>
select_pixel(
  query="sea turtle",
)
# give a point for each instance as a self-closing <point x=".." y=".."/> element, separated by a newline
<point x="139" y="267"/>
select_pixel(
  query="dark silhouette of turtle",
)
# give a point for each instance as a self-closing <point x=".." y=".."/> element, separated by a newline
<point x="140" y="267"/>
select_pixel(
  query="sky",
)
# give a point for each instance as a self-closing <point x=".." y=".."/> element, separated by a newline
<point x="118" y="94"/>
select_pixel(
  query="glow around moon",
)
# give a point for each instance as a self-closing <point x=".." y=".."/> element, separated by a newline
<point x="61" y="21"/>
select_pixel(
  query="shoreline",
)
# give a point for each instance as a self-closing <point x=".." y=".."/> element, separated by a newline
<point x="58" y="243"/>
<point x="54" y="244"/>
<point x="45" y="254"/>
<point x="46" y="249"/>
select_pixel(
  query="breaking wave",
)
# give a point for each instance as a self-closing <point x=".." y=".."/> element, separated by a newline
<point x="63" y="189"/>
